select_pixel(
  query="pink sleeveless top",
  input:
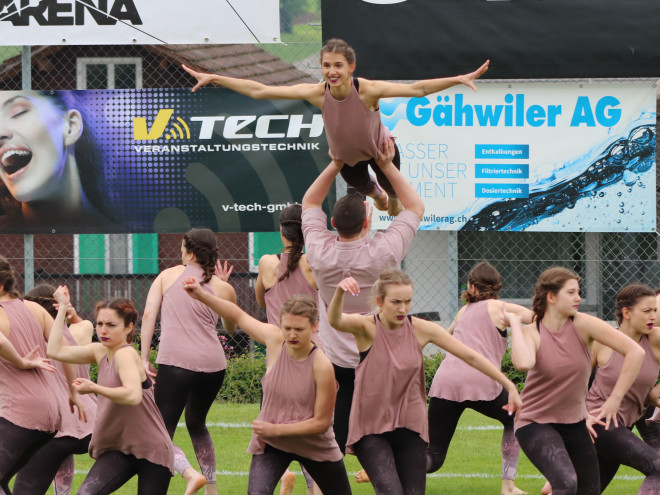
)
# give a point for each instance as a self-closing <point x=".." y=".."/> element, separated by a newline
<point x="71" y="425"/>
<point x="32" y="398"/>
<point x="295" y="283"/>
<point x="188" y="336"/>
<point x="354" y="132"/>
<point x="137" y="430"/>
<point x="456" y="380"/>
<point x="390" y="390"/>
<point x="632" y="406"/>
<point x="289" y="394"/>
<point x="556" y="388"/>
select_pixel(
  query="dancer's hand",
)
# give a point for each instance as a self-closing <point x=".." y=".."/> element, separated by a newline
<point x="350" y="285"/>
<point x="62" y="297"/>
<point x="192" y="287"/>
<point x="607" y="412"/>
<point x="386" y="154"/>
<point x="590" y="422"/>
<point x="222" y="272"/>
<point x="514" y="404"/>
<point x="76" y="403"/>
<point x="149" y="369"/>
<point x="33" y="361"/>
<point x="468" y="79"/>
<point x="203" y="78"/>
<point x="83" y="386"/>
<point x="264" y="429"/>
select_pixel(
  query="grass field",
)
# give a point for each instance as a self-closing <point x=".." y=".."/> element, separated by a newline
<point x="472" y="466"/>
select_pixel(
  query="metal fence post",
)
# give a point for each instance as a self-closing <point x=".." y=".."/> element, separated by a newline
<point x="28" y="239"/>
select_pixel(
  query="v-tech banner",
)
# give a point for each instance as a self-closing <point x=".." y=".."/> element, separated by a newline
<point x="154" y="160"/>
<point x="129" y="22"/>
<point x="559" y="157"/>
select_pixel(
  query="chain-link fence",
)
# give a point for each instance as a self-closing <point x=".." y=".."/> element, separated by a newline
<point x="100" y="266"/>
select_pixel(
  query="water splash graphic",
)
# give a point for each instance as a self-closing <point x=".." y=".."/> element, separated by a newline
<point x="621" y="162"/>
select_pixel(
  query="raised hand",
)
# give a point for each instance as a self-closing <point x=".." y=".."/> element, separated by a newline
<point x="192" y="287"/>
<point x="350" y="285"/>
<point x="203" y="78"/>
<point x="468" y="79"/>
<point x="222" y="272"/>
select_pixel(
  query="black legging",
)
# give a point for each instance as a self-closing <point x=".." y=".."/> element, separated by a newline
<point x="650" y="433"/>
<point x="358" y="176"/>
<point x="113" y="469"/>
<point x="395" y="461"/>
<point x="178" y="389"/>
<point x="346" y="381"/>
<point x="620" y="445"/>
<point x="443" y="419"/>
<point x="37" y="475"/>
<point x="267" y="469"/>
<point x="17" y="446"/>
<point x="564" y="454"/>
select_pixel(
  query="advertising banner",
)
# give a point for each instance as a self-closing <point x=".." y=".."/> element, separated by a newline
<point x="154" y="160"/>
<point x="130" y="22"/>
<point x="530" y="39"/>
<point x="560" y="157"/>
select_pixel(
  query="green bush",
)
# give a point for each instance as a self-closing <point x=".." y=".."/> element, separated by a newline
<point x="242" y="383"/>
<point x="431" y="364"/>
<point x="516" y="376"/>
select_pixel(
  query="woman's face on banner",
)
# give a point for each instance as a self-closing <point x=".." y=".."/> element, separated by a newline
<point x="32" y="147"/>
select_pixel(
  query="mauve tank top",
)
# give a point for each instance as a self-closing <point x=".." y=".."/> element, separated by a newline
<point x="295" y="283"/>
<point x="71" y="425"/>
<point x="354" y="132"/>
<point x="390" y="390"/>
<point x="188" y="336"/>
<point x="632" y="406"/>
<point x="556" y="388"/>
<point x="456" y="380"/>
<point x="138" y="430"/>
<point x="29" y="398"/>
<point x="289" y="394"/>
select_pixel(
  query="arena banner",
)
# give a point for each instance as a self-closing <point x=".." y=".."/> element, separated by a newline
<point x="130" y="22"/>
<point x="154" y="160"/>
<point x="532" y="39"/>
<point x="560" y="157"/>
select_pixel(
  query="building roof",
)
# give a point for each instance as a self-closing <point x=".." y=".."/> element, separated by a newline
<point x="239" y="60"/>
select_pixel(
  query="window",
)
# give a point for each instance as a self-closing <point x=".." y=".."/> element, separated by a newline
<point x="109" y="73"/>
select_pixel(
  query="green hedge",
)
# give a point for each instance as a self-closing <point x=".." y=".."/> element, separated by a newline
<point x="242" y="384"/>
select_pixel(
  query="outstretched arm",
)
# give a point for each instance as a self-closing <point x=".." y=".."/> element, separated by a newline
<point x="312" y="93"/>
<point x="31" y="360"/>
<point x="261" y="332"/>
<point x="315" y="195"/>
<point x="427" y="331"/>
<point x="404" y="191"/>
<point x="384" y="89"/>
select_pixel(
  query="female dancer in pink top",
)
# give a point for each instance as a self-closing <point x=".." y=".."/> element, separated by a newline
<point x="635" y="314"/>
<point x="299" y="391"/>
<point x="191" y="359"/>
<point x="129" y="435"/>
<point x="54" y="462"/>
<point x="351" y="112"/>
<point x="280" y="277"/>
<point x="388" y="427"/>
<point x="32" y="397"/>
<point x="556" y="350"/>
<point x="457" y="386"/>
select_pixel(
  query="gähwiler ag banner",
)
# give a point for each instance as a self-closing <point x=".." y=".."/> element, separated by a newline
<point x="124" y="22"/>
<point x="154" y="160"/>
<point x="539" y="157"/>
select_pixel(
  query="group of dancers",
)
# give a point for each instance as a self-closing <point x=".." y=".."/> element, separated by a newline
<point x="344" y="364"/>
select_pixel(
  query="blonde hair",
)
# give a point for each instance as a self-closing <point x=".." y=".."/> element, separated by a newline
<point x="300" y="305"/>
<point x="390" y="276"/>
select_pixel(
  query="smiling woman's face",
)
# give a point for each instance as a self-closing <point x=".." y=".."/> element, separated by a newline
<point x="32" y="145"/>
